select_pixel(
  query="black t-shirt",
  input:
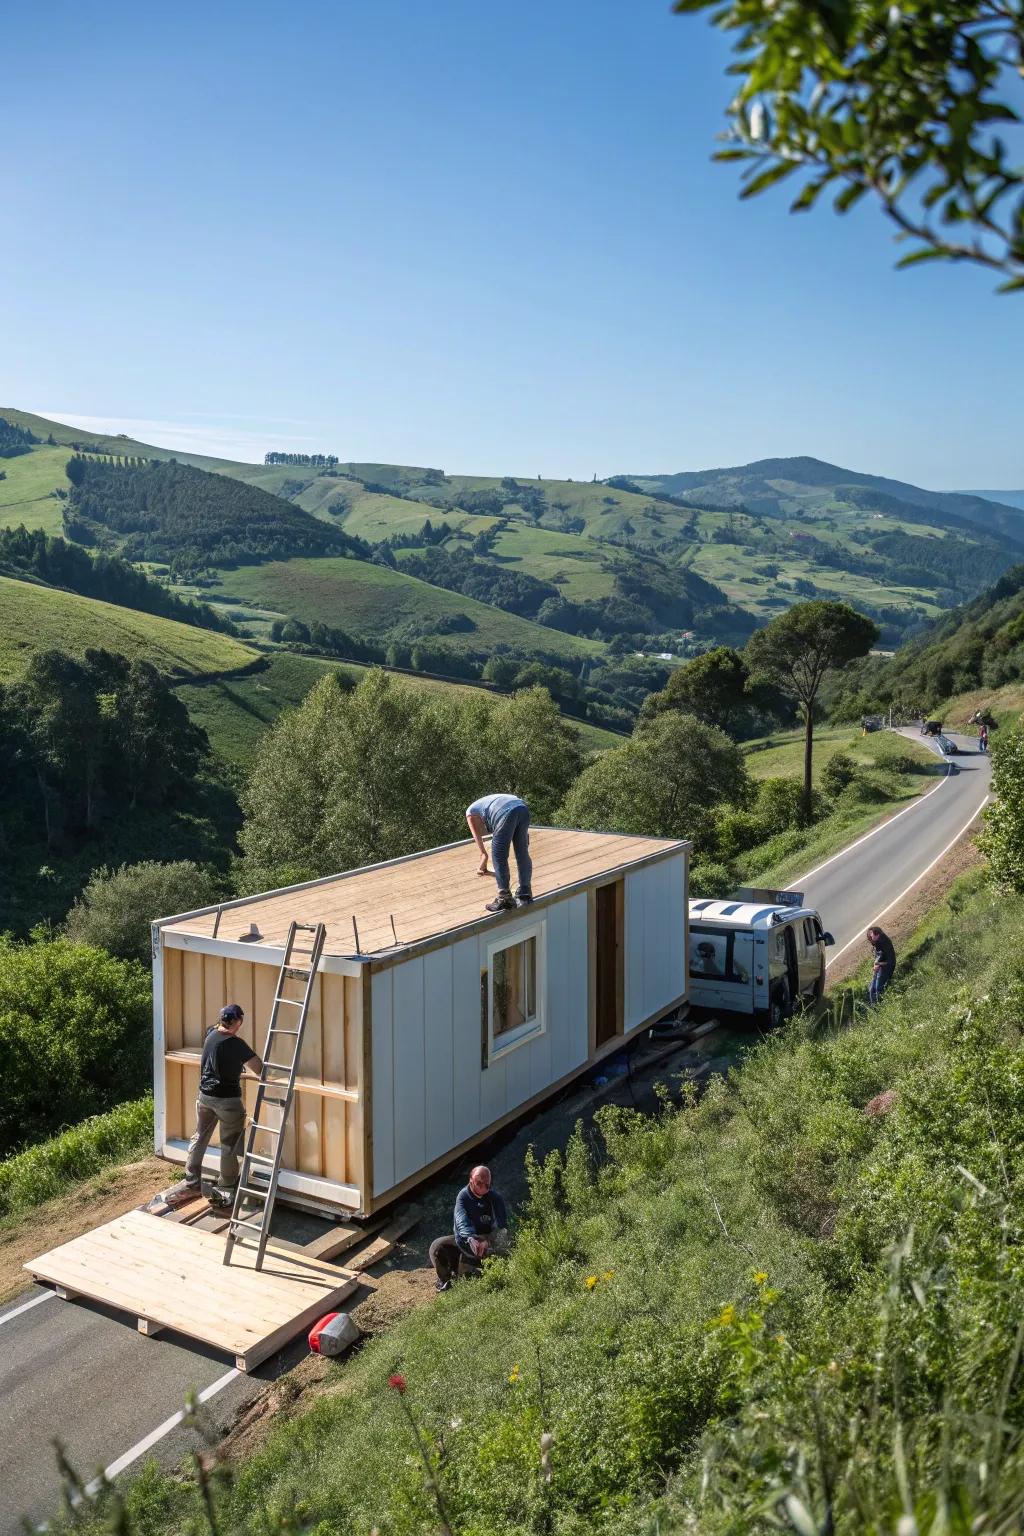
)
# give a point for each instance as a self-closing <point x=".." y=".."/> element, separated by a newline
<point x="884" y="952"/>
<point x="224" y="1056"/>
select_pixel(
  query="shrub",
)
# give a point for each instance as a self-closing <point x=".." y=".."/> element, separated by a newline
<point x="1003" y="837"/>
<point x="116" y="908"/>
<point x="838" y="772"/>
<point x="75" y="1032"/>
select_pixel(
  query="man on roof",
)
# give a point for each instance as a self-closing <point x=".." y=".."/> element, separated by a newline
<point x="507" y="819"/>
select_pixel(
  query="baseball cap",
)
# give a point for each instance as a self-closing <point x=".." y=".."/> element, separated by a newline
<point x="231" y="1013"/>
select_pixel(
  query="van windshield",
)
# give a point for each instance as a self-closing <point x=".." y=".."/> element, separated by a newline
<point x="713" y="955"/>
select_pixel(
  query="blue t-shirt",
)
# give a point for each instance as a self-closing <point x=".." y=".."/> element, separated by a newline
<point x="477" y="1216"/>
<point x="493" y="807"/>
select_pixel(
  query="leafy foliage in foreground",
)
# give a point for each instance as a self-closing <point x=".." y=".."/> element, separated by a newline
<point x="769" y="1310"/>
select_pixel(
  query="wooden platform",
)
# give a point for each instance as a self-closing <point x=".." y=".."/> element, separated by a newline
<point x="426" y="895"/>
<point x="173" y="1276"/>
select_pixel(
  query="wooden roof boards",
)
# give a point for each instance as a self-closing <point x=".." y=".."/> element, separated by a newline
<point x="425" y="896"/>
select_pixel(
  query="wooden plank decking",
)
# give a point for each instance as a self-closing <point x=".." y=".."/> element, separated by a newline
<point x="427" y="895"/>
<point x="172" y="1276"/>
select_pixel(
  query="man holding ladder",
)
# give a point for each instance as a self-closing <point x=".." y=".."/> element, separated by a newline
<point x="225" y="1057"/>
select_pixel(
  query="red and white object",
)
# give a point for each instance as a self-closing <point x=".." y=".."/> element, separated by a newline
<point x="333" y="1334"/>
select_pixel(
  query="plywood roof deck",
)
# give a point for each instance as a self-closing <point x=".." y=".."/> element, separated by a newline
<point x="426" y="896"/>
<point x="173" y="1276"/>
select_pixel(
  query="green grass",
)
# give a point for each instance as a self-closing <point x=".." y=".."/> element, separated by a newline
<point x="53" y="1167"/>
<point x="35" y="618"/>
<point x="782" y="754"/>
<point x="764" y="1301"/>
<point x="372" y="600"/>
<point x="893" y="771"/>
<point x="235" y="712"/>
<point x="26" y="491"/>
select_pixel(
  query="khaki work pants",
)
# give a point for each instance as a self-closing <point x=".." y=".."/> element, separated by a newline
<point x="229" y="1115"/>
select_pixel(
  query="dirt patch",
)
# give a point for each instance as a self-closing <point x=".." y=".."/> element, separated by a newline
<point x="902" y="921"/>
<point x="101" y="1198"/>
<point x="396" y="1293"/>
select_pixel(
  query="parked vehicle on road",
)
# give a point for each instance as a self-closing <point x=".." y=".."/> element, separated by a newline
<point x="760" y="953"/>
<point x="931" y="727"/>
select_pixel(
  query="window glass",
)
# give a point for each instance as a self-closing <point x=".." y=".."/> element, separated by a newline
<point x="712" y="955"/>
<point x="514" y="987"/>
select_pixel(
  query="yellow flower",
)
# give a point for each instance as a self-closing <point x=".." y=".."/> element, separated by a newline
<point x="513" y="1375"/>
<point x="760" y="1276"/>
<point x="590" y="1282"/>
<point x="780" y="1338"/>
<point x="609" y="1274"/>
<point x="726" y="1316"/>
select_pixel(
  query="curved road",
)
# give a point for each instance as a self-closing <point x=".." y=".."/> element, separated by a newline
<point x="862" y="883"/>
<point x="84" y="1374"/>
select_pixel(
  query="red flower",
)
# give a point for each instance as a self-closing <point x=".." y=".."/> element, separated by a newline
<point x="398" y="1382"/>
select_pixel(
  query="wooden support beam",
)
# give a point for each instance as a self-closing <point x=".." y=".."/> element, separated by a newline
<point x="149" y="1328"/>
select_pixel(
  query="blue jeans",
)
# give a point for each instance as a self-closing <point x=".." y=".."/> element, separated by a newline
<point x="879" y="981"/>
<point x="512" y="831"/>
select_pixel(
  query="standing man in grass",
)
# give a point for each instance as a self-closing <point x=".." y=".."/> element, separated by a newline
<point x="883" y="963"/>
<point x="507" y="819"/>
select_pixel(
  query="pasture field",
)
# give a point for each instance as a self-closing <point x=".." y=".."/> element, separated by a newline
<point x="236" y="711"/>
<point x="36" y="618"/>
<point x="781" y="755"/>
<point x="374" y="601"/>
<point x="26" y="491"/>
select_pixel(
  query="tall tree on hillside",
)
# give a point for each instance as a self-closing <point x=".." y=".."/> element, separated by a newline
<point x="798" y="650"/>
<point x="908" y="102"/>
<point x="712" y="687"/>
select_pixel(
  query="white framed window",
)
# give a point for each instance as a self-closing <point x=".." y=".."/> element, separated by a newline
<point x="513" y="992"/>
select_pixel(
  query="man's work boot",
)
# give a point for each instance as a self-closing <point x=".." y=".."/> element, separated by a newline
<point x="524" y="898"/>
<point x="224" y="1199"/>
<point x="502" y="903"/>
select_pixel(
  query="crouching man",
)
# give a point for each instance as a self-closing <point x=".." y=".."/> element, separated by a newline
<point x="481" y="1228"/>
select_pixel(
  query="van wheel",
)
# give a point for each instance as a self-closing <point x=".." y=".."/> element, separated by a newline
<point x="779" y="1008"/>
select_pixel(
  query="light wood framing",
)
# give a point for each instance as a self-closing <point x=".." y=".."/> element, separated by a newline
<point x="173" y="1276"/>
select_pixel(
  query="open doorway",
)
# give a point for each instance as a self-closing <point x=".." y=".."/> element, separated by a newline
<point x="608" y="961"/>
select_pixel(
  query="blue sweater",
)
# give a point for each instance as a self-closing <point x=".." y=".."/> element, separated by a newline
<point x="477" y="1217"/>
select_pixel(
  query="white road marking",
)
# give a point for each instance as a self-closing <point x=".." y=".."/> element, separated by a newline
<point x="158" y="1434"/>
<point x="26" y="1306"/>
<point x="882" y="825"/>
<point x="917" y="879"/>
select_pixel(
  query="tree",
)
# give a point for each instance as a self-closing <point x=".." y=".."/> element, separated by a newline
<point x="75" y="1036"/>
<point x="664" y="782"/>
<point x="1002" y="841"/>
<point x="116" y="908"/>
<point x="905" y="101"/>
<point x="799" y="650"/>
<point x="711" y="687"/>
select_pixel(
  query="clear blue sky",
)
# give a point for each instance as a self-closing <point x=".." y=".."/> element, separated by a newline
<point x="480" y="236"/>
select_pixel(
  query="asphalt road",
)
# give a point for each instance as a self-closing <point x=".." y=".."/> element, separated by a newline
<point x="862" y="883"/>
<point x="84" y="1375"/>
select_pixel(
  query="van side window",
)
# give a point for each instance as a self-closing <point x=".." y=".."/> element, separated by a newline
<point x="712" y="955"/>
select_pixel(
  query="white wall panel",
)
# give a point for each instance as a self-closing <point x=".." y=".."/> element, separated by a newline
<point x="407" y="1003"/>
<point x="467" y="1116"/>
<point x="383" y="1074"/>
<point x="439" y="1080"/>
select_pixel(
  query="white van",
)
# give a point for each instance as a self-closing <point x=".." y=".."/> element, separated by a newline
<point x="760" y="953"/>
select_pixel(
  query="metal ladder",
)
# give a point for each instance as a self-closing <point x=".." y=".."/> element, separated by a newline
<point x="257" y="1182"/>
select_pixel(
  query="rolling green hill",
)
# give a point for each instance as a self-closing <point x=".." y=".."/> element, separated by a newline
<point x="35" y="618"/>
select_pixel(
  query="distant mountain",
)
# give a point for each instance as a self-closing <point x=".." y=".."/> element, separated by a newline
<point x="1006" y="498"/>
<point x="778" y="487"/>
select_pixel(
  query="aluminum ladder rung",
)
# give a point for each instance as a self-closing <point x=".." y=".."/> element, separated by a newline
<point x="256" y="1226"/>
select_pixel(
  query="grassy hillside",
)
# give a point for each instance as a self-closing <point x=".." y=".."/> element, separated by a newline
<point x="28" y="489"/>
<point x="373" y="600"/>
<point x="236" y="711"/>
<point x="34" y="618"/>
<point x="790" y="1304"/>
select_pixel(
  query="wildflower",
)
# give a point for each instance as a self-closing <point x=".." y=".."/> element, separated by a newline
<point x="590" y="1282"/>
<point x="513" y="1375"/>
<point x="609" y="1274"/>
<point x="760" y="1276"/>
<point x="726" y="1316"/>
<point x="398" y="1382"/>
<point x="780" y="1338"/>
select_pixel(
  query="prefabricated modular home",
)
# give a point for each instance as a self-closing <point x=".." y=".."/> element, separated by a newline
<point x="433" y="1022"/>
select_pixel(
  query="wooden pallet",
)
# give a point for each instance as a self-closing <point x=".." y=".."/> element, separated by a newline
<point x="173" y="1276"/>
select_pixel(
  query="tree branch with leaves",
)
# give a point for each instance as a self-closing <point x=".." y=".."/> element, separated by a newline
<point x="909" y="102"/>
